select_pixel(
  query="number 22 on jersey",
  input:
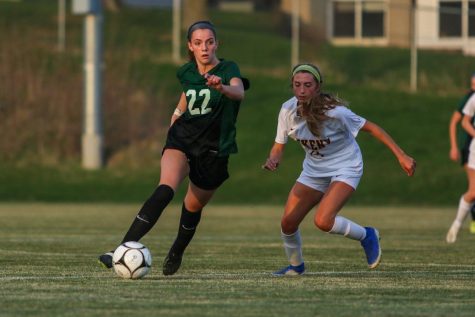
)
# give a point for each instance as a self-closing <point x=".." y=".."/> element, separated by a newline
<point x="206" y="93"/>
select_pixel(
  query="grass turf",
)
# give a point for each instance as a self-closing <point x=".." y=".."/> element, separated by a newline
<point x="48" y="259"/>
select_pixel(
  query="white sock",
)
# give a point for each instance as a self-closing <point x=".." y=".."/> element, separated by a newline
<point x="462" y="212"/>
<point x="293" y="247"/>
<point x="348" y="228"/>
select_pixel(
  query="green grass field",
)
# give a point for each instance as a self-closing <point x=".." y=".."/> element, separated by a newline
<point x="48" y="250"/>
<point x="48" y="265"/>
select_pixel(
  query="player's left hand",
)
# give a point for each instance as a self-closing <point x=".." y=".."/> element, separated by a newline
<point x="214" y="82"/>
<point x="454" y="154"/>
<point x="408" y="164"/>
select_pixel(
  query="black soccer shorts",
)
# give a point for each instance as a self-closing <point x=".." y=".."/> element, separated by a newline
<point x="208" y="170"/>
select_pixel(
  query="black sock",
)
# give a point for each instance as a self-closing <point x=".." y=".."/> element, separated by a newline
<point x="149" y="213"/>
<point x="188" y="223"/>
<point x="472" y="212"/>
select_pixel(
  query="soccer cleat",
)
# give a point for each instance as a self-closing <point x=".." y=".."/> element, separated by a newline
<point x="371" y="247"/>
<point x="291" y="270"/>
<point x="106" y="259"/>
<point x="453" y="231"/>
<point x="472" y="227"/>
<point x="172" y="263"/>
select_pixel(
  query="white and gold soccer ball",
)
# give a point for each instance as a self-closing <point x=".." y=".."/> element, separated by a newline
<point x="132" y="260"/>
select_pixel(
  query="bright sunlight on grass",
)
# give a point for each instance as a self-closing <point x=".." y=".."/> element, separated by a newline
<point x="48" y="259"/>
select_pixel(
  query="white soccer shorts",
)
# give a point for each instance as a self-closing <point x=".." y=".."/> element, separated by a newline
<point x="322" y="183"/>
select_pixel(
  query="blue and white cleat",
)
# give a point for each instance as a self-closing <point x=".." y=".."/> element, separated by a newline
<point x="291" y="270"/>
<point x="371" y="247"/>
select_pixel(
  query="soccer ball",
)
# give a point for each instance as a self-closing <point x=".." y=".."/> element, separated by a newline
<point x="132" y="260"/>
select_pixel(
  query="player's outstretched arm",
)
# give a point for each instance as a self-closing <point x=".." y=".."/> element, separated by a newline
<point x="275" y="155"/>
<point x="407" y="163"/>
<point x="454" y="151"/>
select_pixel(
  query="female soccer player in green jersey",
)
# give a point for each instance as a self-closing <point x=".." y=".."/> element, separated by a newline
<point x="200" y="139"/>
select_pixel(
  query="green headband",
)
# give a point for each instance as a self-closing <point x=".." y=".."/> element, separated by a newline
<point x="307" y="68"/>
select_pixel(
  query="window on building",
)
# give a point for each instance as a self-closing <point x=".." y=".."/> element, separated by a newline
<point x="471" y="18"/>
<point x="344" y="19"/>
<point x="359" y="18"/>
<point x="450" y="18"/>
<point x="373" y="19"/>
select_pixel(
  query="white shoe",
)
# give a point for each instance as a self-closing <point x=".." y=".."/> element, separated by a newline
<point x="453" y="231"/>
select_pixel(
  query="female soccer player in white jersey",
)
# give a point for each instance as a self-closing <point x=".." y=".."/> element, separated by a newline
<point x="332" y="167"/>
<point x="468" y="198"/>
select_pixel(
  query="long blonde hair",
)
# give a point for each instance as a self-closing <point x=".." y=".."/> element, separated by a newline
<point x="314" y="110"/>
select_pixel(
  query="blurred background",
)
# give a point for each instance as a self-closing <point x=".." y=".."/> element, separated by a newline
<point x="400" y="63"/>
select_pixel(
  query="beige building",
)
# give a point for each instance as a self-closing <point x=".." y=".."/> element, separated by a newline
<point x="439" y="24"/>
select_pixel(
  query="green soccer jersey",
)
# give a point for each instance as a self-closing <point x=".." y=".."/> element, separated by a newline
<point x="208" y="124"/>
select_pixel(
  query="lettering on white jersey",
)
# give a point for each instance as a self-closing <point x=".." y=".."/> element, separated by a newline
<point x="315" y="145"/>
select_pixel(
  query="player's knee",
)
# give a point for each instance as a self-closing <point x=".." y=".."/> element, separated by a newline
<point x="323" y="223"/>
<point x="193" y="204"/>
<point x="288" y="226"/>
<point x="469" y="197"/>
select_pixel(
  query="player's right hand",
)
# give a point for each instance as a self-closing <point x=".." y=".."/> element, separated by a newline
<point x="454" y="155"/>
<point x="270" y="164"/>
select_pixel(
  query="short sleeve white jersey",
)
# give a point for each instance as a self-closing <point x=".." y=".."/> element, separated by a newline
<point x="469" y="110"/>
<point x="335" y="152"/>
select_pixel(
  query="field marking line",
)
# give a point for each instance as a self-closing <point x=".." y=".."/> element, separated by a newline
<point x="241" y="276"/>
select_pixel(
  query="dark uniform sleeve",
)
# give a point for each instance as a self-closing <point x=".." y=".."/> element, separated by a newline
<point x="180" y="73"/>
<point x="232" y="70"/>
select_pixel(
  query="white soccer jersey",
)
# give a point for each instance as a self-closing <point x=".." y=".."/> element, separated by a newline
<point x="469" y="110"/>
<point x="335" y="152"/>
